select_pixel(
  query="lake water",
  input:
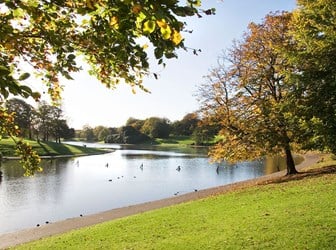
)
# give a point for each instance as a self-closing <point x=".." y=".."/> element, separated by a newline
<point x="85" y="185"/>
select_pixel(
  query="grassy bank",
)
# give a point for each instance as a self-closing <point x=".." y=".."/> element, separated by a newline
<point x="297" y="214"/>
<point x="175" y="140"/>
<point x="7" y="148"/>
<point x="181" y="143"/>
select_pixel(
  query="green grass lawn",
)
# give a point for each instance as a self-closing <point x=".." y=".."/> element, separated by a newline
<point x="298" y="214"/>
<point x="7" y="148"/>
<point x="176" y="140"/>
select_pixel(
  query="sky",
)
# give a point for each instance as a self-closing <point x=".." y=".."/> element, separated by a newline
<point x="87" y="102"/>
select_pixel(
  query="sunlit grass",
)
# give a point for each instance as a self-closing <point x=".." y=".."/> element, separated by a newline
<point x="176" y="140"/>
<point x="7" y="148"/>
<point x="299" y="214"/>
<point x="325" y="160"/>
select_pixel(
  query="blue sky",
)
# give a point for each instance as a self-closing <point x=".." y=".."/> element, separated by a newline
<point x="87" y="102"/>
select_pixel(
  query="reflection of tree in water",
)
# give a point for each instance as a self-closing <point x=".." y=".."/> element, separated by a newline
<point x="46" y="185"/>
<point x="184" y="150"/>
<point x="156" y="156"/>
<point x="13" y="168"/>
<point x="278" y="163"/>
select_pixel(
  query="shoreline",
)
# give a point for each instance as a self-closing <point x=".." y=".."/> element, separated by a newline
<point x="47" y="157"/>
<point x="59" y="227"/>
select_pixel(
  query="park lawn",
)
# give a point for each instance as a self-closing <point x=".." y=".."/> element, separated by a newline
<point x="298" y="214"/>
<point x="173" y="140"/>
<point x="183" y="141"/>
<point x="7" y="148"/>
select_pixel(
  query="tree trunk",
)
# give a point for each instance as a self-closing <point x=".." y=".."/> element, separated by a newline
<point x="30" y="134"/>
<point x="290" y="162"/>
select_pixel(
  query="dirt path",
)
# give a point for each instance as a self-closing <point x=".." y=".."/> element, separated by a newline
<point x="15" y="238"/>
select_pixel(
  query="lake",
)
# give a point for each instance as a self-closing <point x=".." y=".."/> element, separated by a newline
<point x="85" y="185"/>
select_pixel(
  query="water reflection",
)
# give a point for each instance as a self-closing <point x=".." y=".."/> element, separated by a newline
<point x="278" y="162"/>
<point x="84" y="185"/>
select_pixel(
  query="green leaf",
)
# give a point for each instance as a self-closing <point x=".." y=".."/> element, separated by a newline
<point x="67" y="75"/>
<point x="26" y="89"/>
<point x="24" y="76"/>
<point x="4" y="71"/>
<point x="166" y="33"/>
<point x="158" y="52"/>
<point x="149" y="27"/>
<point x="170" y="55"/>
<point x="4" y="92"/>
<point x="71" y="57"/>
<point x="18" y="13"/>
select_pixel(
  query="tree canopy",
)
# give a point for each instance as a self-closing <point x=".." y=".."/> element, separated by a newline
<point x="111" y="36"/>
<point x="249" y="96"/>
<point x="314" y="55"/>
<point x="50" y="35"/>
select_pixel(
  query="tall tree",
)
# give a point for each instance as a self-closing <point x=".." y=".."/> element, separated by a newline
<point x="187" y="125"/>
<point x="44" y="121"/>
<point x="57" y="124"/>
<point x="49" y="122"/>
<point x="314" y="55"/>
<point x="63" y="131"/>
<point x="100" y="132"/>
<point x="249" y="96"/>
<point x="24" y="115"/>
<point x="156" y="127"/>
<point x="87" y="133"/>
<point x="135" y="123"/>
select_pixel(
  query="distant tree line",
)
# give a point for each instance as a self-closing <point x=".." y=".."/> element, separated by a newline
<point x="140" y="131"/>
<point x="46" y="122"/>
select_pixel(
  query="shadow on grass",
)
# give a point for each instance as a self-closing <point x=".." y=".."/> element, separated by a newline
<point x="309" y="173"/>
<point x="57" y="148"/>
<point x="43" y="147"/>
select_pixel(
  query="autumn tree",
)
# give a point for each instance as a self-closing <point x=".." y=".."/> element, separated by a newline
<point x="135" y="123"/>
<point x="205" y="132"/>
<point x="49" y="123"/>
<point x="127" y="135"/>
<point x="187" y="125"/>
<point x="249" y="96"/>
<point x="61" y="130"/>
<point x="314" y="55"/>
<point x="48" y="37"/>
<point x="100" y="133"/>
<point x="156" y="127"/>
<point x="87" y="133"/>
<point x="24" y="115"/>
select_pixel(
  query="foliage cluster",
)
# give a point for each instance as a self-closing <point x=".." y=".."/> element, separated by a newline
<point x="140" y="131"/>
<point x="50" y="35"/>
<point x="315" y="56"/>
<point x="127" y="135"/>
<point x="45" y="122"/>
